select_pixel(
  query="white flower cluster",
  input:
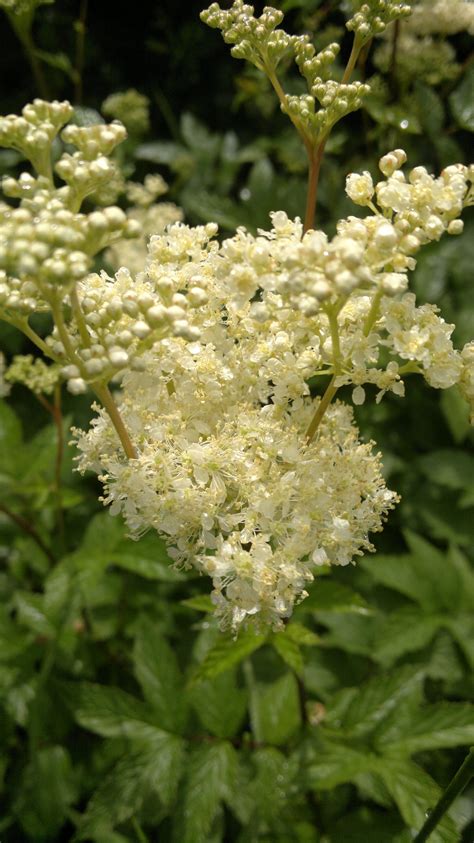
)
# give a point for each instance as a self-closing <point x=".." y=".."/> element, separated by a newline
<point x="232" y="485"/>
<point x="420" y="53"/>
<point x="442" y="16"/>
<point x="243" y="474"/>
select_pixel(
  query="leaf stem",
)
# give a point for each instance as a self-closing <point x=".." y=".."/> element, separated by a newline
<point x="457" y="784"/>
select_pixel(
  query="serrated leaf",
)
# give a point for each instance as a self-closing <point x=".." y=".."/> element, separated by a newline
<point x="415" y="794"/>
<point x="226" y="653"/>
<point x="462" y="102"/>
<point x="275" y="710"/>
<point x="443" y="724"/>
<point x="404" y="631"/>
<point x="377" y="699"/>
<point x="423" y="575"/>
<point x="210" y="777"/>
<point x="338" y="765"/>
<point x="330" y="596"/>
<point x="107" y="710"/>
<point x="220" y="704"/>
<point x="351" y="632"/>
<point x="289" y="651"/>
<point x="158" y="673"/>
<point x="151" y="765"/>
<point x="46" y="791"/>
<point x="431" y="562"/>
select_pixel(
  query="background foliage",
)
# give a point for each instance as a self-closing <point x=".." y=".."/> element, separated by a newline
<point x="126" y="715"/>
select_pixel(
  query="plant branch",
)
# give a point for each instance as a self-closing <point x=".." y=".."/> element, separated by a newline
<point x="28" y="528"/>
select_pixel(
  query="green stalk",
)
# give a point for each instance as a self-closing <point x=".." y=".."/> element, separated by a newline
<point x="454" y="789"/>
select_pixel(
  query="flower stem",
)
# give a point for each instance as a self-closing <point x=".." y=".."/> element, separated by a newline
<point x="373" y="313"/>
<point x="455" y="787"/>
<point x="321" y="409"/>
<point x="79" y="316"/>
<point x="315" y="157"/>
<point x="357" y="45"/>
<point x="106" y="398"/>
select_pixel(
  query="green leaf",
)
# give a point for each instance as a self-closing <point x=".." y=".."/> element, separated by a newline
<point x="424" y="575"/>
<point x="338" y="765"/>
<point x="275" y="710"/>
<point x="301" y="634"/>
<point x="10" y="439"/>
<point x="151" y="567"/>
<point x="150" y="766"/>
<point x="220" y="704"/>
<point x="430" y="109"/>
<point x="227" y="653"/>
<point x="201" y="603"/>
<point x="415" y="793"/>
<point x="377" y="699"/>
<point x="443" y="724"/>
<point x="107" y="710"/>
<point x="351" y="632"/>
<point x="369" y="826"/>
<point x="46" y="791"/>
<point x="162" y="152"/>
<point x="330" y="596"/>
<point x="456" y="412"/>
<point x="404" y="631"/>
<point x="451" y="468"/>
<point x="289" y="651"/>
<point x="462" y="101"/>
<point x="60" y="61"/>
<point x="210" y="777"/>
<point x="157" y="671"/>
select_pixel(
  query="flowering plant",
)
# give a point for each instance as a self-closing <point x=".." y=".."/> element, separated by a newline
<point x="227" y="376"/>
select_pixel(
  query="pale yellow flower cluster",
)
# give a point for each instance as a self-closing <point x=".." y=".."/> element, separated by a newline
<point x="246" y="477"/>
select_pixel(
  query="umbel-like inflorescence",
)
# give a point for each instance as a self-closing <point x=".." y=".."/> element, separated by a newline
<point x="215" y="440"/>
<point x="246" y="477"/>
